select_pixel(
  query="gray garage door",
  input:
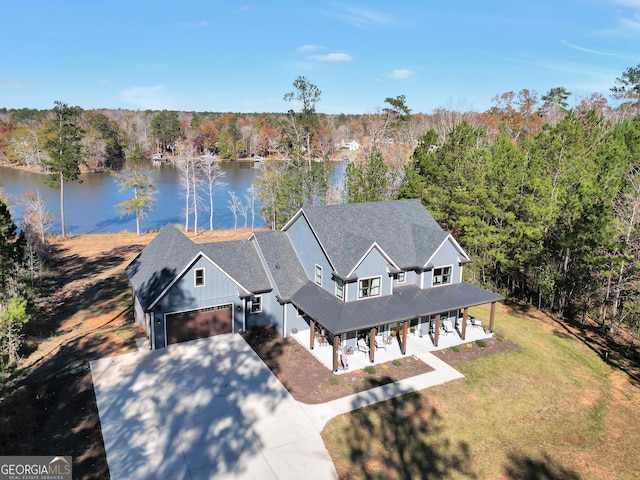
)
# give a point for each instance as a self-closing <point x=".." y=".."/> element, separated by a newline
<point x="194" y="324"/>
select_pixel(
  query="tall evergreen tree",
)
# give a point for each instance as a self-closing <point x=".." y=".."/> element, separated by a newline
<point x="368" y="181"/>
<point x="14" y="288"/>
<point x="65" y="150"/>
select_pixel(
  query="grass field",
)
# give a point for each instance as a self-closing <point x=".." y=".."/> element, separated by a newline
<point x="551" y="410"/>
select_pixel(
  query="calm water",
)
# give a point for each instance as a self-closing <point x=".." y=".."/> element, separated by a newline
<point x="91" y="206"/>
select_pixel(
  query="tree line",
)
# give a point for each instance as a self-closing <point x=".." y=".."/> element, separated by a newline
<point x="546" y="198"/>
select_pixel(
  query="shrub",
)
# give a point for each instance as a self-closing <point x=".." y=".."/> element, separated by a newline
<point x="370" y="369"/>
<point x="396" y="363"/>
<point x="455" y="348"/>
<point x="481" y="343"/>
<point x="334" y="381"/>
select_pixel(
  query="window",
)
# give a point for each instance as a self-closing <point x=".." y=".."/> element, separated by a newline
<point x="400" y="278"/>
<point x="256" y="304"/>
<point x="441" y="276"/>
<point x="369" y="287"/>
<point x="339" y="289"/>
<point x="199" y="277"/>
<point x="319" y="275"/>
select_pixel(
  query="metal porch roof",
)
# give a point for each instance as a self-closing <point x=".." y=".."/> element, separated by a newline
<point x="407" y="302"/>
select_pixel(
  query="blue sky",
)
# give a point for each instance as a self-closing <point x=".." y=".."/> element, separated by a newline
<point x="243" y="56"/>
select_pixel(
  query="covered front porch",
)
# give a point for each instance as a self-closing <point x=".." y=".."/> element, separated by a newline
<point x="377" y="330"/>
<point x="416" y="343"/>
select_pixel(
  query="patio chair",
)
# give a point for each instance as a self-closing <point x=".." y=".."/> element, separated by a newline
<point x="448" y="326"/>
<point x="380" y="343"/>
<point x="362" y="346"/>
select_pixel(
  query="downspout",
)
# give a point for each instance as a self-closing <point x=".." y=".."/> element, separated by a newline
<point x="244" y="314"/>
<point x="284" y="320"/>
<point x="152" y="329"/>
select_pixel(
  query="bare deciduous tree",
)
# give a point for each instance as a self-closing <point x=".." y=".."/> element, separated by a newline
<point x="185" y="163"/>
<point x="251" y="196"/>
<point x="234" y="207"/>
<point x="213" y="175"/>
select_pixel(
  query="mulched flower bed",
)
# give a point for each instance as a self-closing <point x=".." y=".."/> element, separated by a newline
<point x="309" y="381"/>
<point x="467" y="352"/>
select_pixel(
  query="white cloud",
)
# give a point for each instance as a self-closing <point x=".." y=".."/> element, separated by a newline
<point x="400" y="74"/>
<point x="11" y="85"/>
<point x="331" y="57"/>
<point x="632" y="25"/>
<point x="200" y="24"/>
<point x="309" y="48"/>
<point x="147" y="98"/>
<point x="628" y="3"/>
<point x="588" y="50"/>
<point x="367" y="18"/>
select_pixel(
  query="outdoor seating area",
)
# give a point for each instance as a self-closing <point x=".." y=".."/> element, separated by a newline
<point x="388" y="348"/>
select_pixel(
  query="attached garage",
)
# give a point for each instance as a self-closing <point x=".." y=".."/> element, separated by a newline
<point x="194" y="324"/>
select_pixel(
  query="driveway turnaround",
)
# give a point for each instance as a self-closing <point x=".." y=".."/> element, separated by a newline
<point x="206" y="409"/>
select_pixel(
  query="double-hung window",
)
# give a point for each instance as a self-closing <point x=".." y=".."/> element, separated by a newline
<point x="369" y="287"/>
<point x="318" y="275"/>
<point x="339" y="289"/>
<point x="256" y="304"/>
<point x="199" y="277"/>
<point x="441" y="276"/>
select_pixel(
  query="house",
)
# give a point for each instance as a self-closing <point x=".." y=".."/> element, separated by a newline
<point x="344" y="273"/>
<point x="349" y="144"/>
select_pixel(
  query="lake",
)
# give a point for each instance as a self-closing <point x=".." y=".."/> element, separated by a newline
<point x="91" y="206"/>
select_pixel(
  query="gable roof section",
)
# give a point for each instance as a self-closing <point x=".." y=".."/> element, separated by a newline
<point x="402" y="228"/>
<point x="159" y="263"/>
<point x="464" y="257"/>
<point x="239" y="259"/>
<point x="166" y="257"/>
<point x="281" y="261"/>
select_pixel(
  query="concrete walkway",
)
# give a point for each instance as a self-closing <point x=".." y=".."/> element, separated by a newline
<point x="320" y="414"/>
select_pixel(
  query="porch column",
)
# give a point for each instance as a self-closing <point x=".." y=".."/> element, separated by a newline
<point x="465" y="314"/>
<point x="336" y="340"/>
<point x="491" y="316"/>
<point x="312" y="332"/>
<point x="436" y="331"/>
<point x="372" y="344"/>
<point x="405" y="327"/>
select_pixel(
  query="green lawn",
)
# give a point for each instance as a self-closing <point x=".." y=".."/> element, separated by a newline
<point x="551" y="410"/>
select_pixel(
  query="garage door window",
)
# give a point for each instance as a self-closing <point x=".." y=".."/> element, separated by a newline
<point x="256" y="304"/>
<point x="199" y="277"/>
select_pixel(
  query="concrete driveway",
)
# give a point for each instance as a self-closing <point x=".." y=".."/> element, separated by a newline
<point x="203" y="409"/>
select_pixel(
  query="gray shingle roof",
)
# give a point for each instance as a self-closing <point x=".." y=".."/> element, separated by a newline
<point x="282" y="262"/>
<point x="170" y="252"/>
<point x="403" y="228"/>
<point x="158" y="264"/>
<point x="406" y="303"/>
<point x="240" y="260"/>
